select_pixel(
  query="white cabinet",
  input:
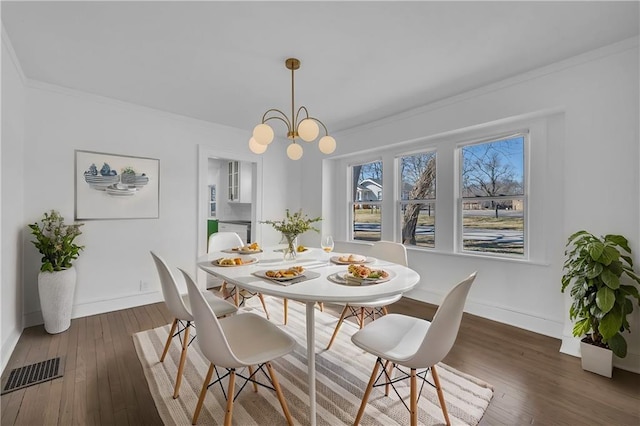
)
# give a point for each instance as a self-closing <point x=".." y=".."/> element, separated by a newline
<point x="239" y="181"/>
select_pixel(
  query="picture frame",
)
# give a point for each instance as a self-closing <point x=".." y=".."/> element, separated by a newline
<point x="114" y="186"/>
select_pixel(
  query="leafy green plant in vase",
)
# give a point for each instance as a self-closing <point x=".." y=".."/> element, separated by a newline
<point x="291" y="227"/>
<point x="603" y="286"/>
<point x="57" y="278"/>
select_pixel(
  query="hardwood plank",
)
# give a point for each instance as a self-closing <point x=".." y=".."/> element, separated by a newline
<point x="533" y="382"/>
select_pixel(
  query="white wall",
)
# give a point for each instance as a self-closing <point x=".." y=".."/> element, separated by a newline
<point x="13" y="225"/>
<point x="116" y="259"/>
<point x="590" y="158"/>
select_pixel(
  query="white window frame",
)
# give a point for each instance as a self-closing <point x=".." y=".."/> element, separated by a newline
<point x="497" y="137"/>
<point x="398" y="195"/>
<point x="351" y="202"/>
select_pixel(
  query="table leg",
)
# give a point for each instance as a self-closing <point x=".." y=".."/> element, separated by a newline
<point x="311" y="360"/>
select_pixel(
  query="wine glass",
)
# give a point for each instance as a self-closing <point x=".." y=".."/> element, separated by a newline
<point x="327" y="244"/>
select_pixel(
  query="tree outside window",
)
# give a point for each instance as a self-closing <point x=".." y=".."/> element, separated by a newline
<point x="493" y="196"/>
<point x="417" y="198"/>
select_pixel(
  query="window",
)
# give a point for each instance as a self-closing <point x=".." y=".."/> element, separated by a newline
<point x="212" y="200"/>
<point x="417" y="178"/>
<point x="366" y="201"/>
<point x="492" y="196"/>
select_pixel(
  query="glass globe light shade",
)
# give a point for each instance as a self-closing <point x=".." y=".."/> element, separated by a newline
<point x="308" y="130"/>
<point x="263" y="134"/>
<point x="327" y="144"/>
<point x="255" y="147"/>
<point x="294" y="151"/>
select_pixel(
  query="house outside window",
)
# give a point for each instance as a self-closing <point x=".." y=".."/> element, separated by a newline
<point x="366" y="201"/>
<point x="417" y="180"/>
<point x="492" y="201"/>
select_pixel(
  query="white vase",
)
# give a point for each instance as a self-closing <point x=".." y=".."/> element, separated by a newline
<point x="596" y="359"/>
<point x="56" y="290"/>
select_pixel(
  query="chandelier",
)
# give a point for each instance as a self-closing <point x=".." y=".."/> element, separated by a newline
<point x="301" y="126"/>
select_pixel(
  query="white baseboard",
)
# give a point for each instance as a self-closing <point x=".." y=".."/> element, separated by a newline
<point x="8" y="346"/>
<point x="100" y="306"/>
<point x="571" y="346"/>
<point x="500" y="314"/>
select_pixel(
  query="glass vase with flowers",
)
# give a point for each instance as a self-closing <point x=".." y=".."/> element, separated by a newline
<point x="291" y="227"/>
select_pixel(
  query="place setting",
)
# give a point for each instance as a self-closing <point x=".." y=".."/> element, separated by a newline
<point x="361" y="275"/>
<point x="287" y="276"/>
<point x="229" y="262"/>
<point x="252" y="248"/>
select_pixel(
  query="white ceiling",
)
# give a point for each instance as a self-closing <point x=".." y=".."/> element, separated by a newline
<point x="223" y="62"/>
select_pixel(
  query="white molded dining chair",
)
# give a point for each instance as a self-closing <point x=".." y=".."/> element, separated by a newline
<point x="178" y="305"/>
<point x="225" y="240"/>
<point x="383" y="250"/>
<point x="236" y="342"/>
<point x="414" y="343"/>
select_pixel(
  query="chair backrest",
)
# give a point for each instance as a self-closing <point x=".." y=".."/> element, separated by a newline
<point x="352" y="247"/>
<point x="389" y="251"/>
<point x="224" y="240"/>
<point x="444" y="327"/>
<point x="172" y="297"/>
<point x="211" y="338"/>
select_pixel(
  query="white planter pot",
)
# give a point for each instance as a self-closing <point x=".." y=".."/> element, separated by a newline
<point x="56" y="290"/>
<point x="596" y="359"/>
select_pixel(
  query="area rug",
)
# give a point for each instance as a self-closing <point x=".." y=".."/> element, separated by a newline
<point x="342" y="374"/>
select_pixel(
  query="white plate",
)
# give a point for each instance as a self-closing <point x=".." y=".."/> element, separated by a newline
<point x="263" y="274"/>
<point x="246" y="260"/>
<point x="363" y="259"/>
<point x="240" y="251"/>
<point x="120" y="192"/>
<point x="350" y="278"/>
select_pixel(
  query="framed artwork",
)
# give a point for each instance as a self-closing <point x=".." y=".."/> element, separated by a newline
<point x="112" y="186"/>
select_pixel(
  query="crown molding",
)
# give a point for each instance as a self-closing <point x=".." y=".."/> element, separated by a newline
<point x="116" y="103"/>
<point x="6" y="40"/>
<point x="612" y="49"/>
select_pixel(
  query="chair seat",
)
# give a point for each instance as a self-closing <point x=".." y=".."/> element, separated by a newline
<point x="254" y="340"/>
<point x="219" y="306"/>
<point x="393" y="337"/>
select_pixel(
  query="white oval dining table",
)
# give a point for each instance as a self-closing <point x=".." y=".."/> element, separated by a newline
<point x="311" y="291"/>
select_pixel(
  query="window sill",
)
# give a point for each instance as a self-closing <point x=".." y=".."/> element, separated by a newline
<point x="477" y="256"/>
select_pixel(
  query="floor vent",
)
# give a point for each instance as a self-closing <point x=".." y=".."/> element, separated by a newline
<point x="33" y="374"/>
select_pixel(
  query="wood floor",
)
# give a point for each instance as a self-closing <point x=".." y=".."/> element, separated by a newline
<point x="103" y="381"/>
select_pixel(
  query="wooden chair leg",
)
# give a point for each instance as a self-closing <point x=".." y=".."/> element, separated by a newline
<point x="183" y="359"/>
<point x="229" y="413"/>
<point x="203" y="393"/>
<point x="255" y="385"/>
<point x="283" y="402"/>
<point x="443" y="405"/>
<point x="286" y="310"/>
<point x="413" y="407"/>
<point x="321" y="304"/>
<point x="384" y="310"/>
<point x="361" y="317"/>
<point x="264" y="305"/>
<point x="236" y="297"/>
<point x="335" y="332"/>
<point x="387" y="377"/>
<point x="365" y="397"/>
<point x="169" y="339"/>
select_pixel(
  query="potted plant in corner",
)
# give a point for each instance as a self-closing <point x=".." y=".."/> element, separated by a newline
<point x="603" y="286"/>
<point x="57" y="277"/>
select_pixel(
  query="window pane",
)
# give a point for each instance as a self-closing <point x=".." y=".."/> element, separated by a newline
<point x="418" y="224"/>
<point x="493" y="169"/>
<point x="366" y="222"/>
<point x="418" y="176"/>
<point x="367" y="182"/>
<point x="494" y="227"/>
